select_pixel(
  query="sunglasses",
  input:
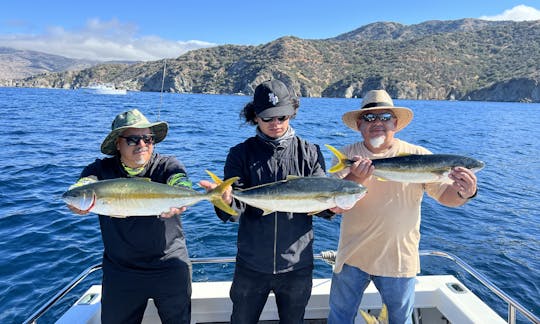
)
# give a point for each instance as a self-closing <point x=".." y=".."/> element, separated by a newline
<point x="133" y="140"/>
<point x="372" y="117"/>
<point x="269" y="119"/>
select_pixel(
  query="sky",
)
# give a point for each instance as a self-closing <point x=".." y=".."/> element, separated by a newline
<point x="151" y="30"/>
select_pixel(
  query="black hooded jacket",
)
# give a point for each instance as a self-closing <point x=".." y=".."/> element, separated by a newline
<point x="141" y="243"/>
<point x="278" y="242"/>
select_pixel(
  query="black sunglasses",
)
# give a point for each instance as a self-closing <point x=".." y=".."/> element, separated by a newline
<point x="133" y="140"/>
<point x="372" y="117"/>
<point x="269" y="119"/>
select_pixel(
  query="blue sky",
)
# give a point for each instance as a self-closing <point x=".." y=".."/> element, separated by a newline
<point x="151" y="30"/>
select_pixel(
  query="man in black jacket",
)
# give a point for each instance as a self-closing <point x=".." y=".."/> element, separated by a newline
<point x="275" y="251"/>
<point x="144" y="257"/>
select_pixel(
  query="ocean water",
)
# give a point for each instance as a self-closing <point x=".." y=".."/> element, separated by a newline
<point x="52" y="134"/>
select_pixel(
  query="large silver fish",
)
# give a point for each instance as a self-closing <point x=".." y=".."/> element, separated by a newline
<point x="412" y="168"/>
<point x="125" y="197"/>
<point x="301" y="194"/>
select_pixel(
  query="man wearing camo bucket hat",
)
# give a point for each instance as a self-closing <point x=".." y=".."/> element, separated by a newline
<point x="379" y="236"/>
<point x="144" y="257"/>
<point x="132" y="119"/>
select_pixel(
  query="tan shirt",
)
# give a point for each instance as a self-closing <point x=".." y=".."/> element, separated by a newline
<point x="381" y="233"/>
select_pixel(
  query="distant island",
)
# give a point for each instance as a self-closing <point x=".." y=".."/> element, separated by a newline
<point x="467" y="59"/>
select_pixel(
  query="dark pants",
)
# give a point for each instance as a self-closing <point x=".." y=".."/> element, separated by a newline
<point x="125" y="295"/>
<point x="250" y="289"/>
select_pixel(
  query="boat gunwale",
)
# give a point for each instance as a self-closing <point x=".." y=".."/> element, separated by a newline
<point x="329" y="257"/>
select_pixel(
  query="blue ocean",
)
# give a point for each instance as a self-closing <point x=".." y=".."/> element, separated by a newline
<point x="51" y="134"/>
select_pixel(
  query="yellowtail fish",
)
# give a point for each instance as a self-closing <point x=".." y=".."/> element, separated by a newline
<point x="412" y="168"/>
<point x="381" y="319"/>
<point x="125" y="197"/>
<point x="300" y="194"/>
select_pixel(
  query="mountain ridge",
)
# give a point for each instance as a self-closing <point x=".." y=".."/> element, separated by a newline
<point x="466" y="59"/>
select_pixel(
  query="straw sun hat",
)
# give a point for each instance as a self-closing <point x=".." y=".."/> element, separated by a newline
<point x="378" y="100"/>
<point x="132" y="119"/>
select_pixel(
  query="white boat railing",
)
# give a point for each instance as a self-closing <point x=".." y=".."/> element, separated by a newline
<point x="328" y="256"/>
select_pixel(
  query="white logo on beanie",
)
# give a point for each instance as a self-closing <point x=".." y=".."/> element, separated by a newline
<point x="273" y="98"/>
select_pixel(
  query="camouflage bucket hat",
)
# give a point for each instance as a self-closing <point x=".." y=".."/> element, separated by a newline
<point x="132" y="119"/>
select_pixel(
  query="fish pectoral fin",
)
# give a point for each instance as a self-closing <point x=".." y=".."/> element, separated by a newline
<point x="267" y="211"/>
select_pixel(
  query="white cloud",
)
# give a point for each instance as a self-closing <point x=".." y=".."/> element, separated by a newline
<point x="102" y="40"/>
<point x="518" y="13"/>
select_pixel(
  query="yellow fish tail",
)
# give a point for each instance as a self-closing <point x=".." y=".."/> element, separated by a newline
<point x="214" y="177"/>
<point x="341" y="158"/>
<point x="370" y="319"/>
<point x="216" y="194"/>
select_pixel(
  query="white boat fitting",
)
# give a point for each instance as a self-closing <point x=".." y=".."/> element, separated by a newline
<point x="438" y="299"/>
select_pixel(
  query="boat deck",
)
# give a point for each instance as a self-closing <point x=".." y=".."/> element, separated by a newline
<point x="439" y="299"/>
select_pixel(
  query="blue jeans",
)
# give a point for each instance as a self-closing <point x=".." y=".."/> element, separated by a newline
<point x="250" y="289"/>
<point x="349" y="285"/>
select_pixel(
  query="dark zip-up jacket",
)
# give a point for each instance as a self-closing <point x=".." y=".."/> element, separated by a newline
<point x="278" y="242"/>
<point x="141" y="243"/>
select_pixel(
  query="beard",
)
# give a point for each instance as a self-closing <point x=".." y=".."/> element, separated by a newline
<point x="377" y="141"/>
